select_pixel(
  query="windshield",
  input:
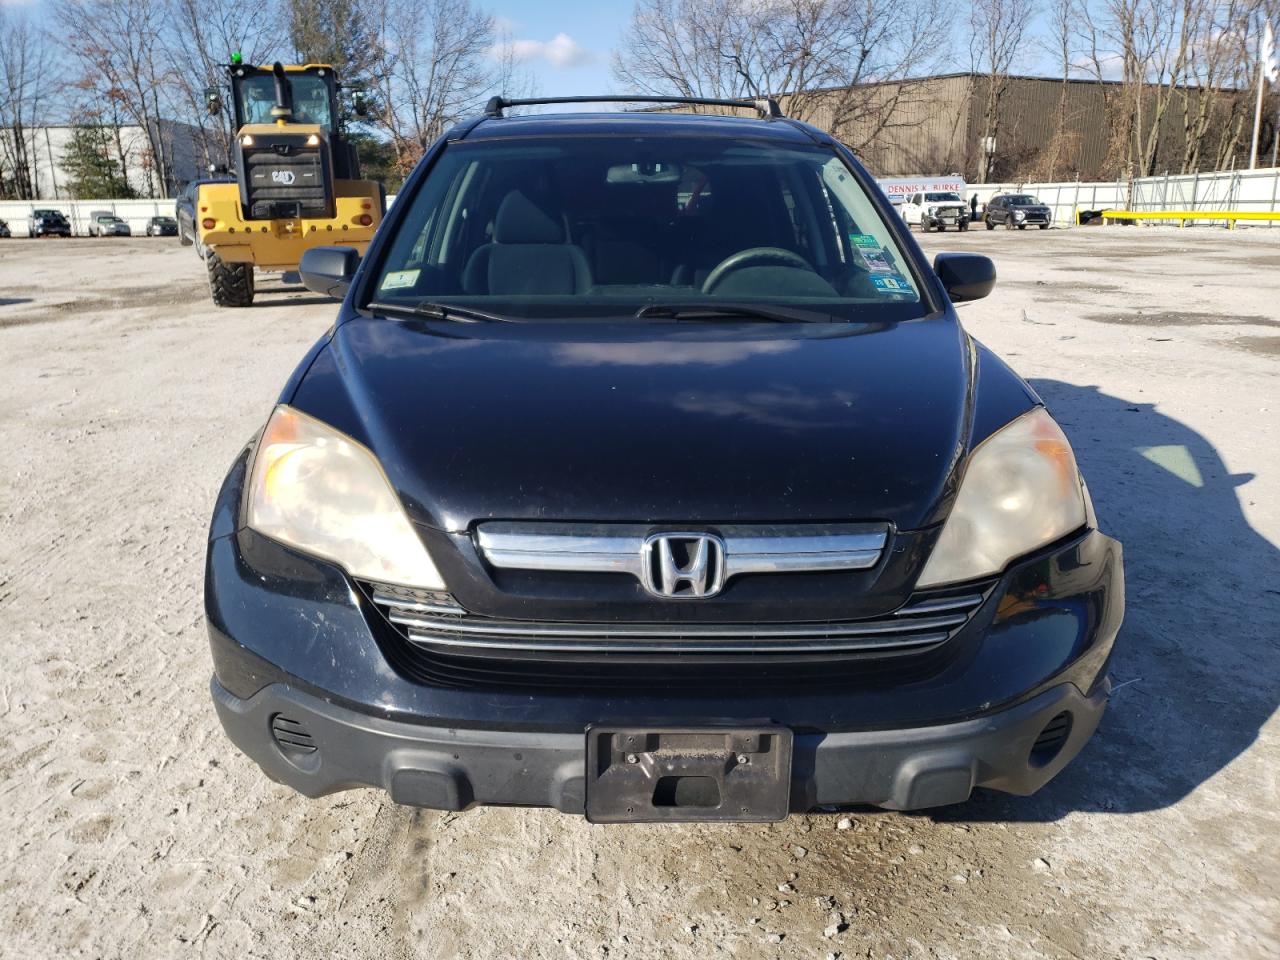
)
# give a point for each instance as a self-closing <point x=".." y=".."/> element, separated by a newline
<point x="1023" y="199"/>
<point x="938" y="197"/>
<point x="310" y="98"/>
<point x="596" y="227"/>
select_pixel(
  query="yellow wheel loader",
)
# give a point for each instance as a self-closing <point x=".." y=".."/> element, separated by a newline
<point x="297" y="179"/>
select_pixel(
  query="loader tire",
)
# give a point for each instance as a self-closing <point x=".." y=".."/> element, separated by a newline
<point x="230" y="283"/>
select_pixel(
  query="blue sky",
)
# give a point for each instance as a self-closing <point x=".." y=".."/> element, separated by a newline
<point x="564" y="45"/>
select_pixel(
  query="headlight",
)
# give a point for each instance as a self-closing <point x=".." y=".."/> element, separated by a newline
<point x="932" y="210"/>
<point x="316" y="489"/>
<point x="1021" y="490"/>
<point x="1019" y="215"/>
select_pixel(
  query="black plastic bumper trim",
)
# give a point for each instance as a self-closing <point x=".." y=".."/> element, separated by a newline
<point x="454" y="768"/>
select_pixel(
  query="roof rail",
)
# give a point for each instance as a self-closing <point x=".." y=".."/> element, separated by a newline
<point x="767" y="107"/>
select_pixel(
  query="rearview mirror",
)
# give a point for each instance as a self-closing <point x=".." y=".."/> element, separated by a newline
<point x="329" y="270"/>
<point x="966" y="276"/>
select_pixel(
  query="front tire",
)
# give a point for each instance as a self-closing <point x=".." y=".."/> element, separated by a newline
<point x="1022" y="226"/>
<point x="231" y="284"/>
<point x="1044" y="226"/>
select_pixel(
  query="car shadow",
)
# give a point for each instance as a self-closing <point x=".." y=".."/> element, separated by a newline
<point x="1196" y="661"/>
<point x="10" y="301"/>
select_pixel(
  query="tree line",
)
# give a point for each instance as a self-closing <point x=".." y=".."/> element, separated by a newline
<point x="845" y="65"/>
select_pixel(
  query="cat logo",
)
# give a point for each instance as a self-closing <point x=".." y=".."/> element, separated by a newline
<point x="282" y="176"/>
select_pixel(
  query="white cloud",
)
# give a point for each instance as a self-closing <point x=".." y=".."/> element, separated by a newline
<point x="561" y="51"/>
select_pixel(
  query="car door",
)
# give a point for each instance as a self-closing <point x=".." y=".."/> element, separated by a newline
<point x="911" y="209"/>
<point x="185" y="212"/>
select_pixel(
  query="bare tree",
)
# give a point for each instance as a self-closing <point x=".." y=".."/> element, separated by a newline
<point x="438" y="61"/>
<point x="1186" y="52"/>
<point x="24" y="77"/>
<point x="1061" y="153"/>
<point x="998" y="41"/>
<point x="202" y="36"/>
<point x="839" y="64"/>
<point x="121" y="40"/>
<point x="682" y="48"/>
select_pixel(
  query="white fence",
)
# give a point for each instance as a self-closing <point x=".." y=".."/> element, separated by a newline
<point x="136" y="213"/>
<point x="1227" y="190"/>
<point x="1255" y="190"/>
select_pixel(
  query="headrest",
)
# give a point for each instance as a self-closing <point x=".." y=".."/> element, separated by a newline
<point x="519" y="220"/>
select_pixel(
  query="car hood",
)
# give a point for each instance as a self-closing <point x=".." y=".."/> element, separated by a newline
<point x="662" y="422"/>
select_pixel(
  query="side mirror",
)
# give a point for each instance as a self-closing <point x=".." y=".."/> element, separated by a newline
<point x="329" y="270"/>
<point x="360" y="102"/>
<point x="966" y="276"/>
<point x="212" y="101"/>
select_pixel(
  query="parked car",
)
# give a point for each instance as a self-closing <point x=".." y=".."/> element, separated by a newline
<point x="162" y="227"/>
<point x="108" y="225"/>
<point x="4" y="229"/>
<point x="938" y="210"/>
<point x="48" y="223"/>
<point x="184" y="211"/>
<point x="647" y="473"/>
<point x="1019" y="210"/>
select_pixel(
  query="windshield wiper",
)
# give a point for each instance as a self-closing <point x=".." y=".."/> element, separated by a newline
<point x="439" y="311"/>
<point x="721" y="311"/>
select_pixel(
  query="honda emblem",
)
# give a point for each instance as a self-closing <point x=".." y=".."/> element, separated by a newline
<point x="683" y="566"/>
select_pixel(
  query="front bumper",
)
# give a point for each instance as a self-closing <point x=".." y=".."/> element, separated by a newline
<point x="953" y="217"/>
<point x="322" y="748"/>
<point x="291" y="639"/>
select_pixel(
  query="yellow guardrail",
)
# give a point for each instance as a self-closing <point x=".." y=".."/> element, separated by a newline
<point x="1182" y="216"/>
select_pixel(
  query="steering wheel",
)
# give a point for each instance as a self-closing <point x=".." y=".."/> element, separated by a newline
<point x="755" y="257"/>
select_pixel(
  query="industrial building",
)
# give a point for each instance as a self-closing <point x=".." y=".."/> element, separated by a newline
<point x="935" y="124"/>
<point x="46" y="147"/>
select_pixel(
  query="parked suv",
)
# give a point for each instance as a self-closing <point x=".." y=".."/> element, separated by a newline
<point x="1019" y="210"/>
<point x="648" y="473"/>
<point x="48" y="223"/>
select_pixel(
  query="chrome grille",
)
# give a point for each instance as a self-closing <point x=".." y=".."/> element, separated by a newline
<point x="434" y="622"/>
<point x="609" y="548"/>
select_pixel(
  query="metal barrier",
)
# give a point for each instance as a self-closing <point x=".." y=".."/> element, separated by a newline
<point x="1182" y="216"/>
<point x="1216" y="194"/>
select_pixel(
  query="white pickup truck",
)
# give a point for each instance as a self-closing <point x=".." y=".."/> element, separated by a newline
<point x="939" y="209"/>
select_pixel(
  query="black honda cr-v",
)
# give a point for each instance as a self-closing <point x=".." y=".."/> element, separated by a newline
<point x="647" y="473"/>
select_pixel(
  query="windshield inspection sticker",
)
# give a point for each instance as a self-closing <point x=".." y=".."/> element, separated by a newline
<point x="872" y="254"/>
<point x="893" y="284"/>
<point x="398" y="279"/>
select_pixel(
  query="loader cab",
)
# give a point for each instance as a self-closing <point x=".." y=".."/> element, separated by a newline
<point x="313" y="88"/>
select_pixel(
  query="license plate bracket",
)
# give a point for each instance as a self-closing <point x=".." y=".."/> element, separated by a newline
<point x="668" y="774"/>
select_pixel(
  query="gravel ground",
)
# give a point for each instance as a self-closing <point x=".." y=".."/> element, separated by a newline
<point x="130" y="828"/>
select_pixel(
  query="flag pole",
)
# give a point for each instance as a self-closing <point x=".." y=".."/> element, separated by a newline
<point x="1266" y="71"/>
<point x="1257" y="112"/>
